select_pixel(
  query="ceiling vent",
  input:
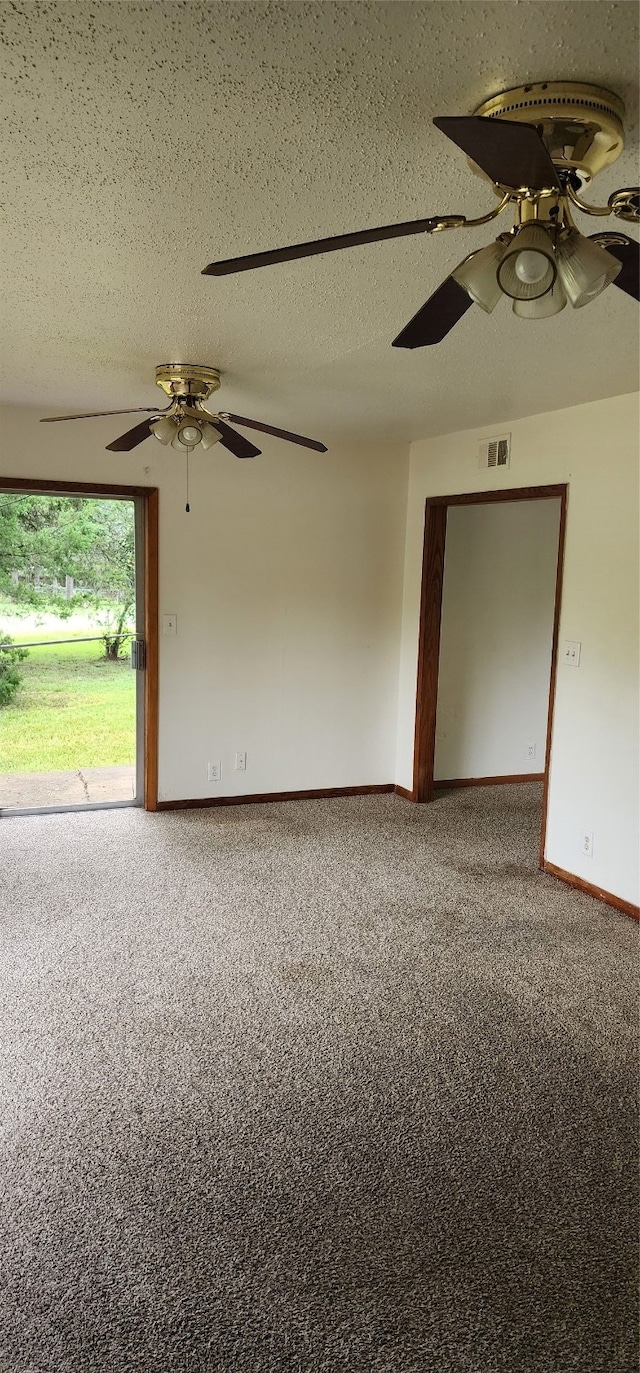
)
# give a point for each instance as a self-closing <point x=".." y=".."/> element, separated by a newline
<point x="495" y="452"/>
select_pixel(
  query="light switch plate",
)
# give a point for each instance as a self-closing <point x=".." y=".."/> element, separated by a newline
<point x="169" y="624"/>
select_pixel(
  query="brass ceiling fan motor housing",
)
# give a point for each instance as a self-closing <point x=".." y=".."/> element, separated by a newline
<point x="580" y="124"/>
<point x="186" y="379"/>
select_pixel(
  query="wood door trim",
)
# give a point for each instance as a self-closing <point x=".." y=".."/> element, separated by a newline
<point x="435" y="532"/>
<point x="150" y="496"/>
<point x="435" y="527"/>
<point x="553" y="672"/>
<point x="72" y="488"/>
<point x="512" y="493"/>
<point x="151" y="637"/>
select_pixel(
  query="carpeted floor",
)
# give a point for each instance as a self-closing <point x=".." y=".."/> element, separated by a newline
<point x="309" y="1088"/>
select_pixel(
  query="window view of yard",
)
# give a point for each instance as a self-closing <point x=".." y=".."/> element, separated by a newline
<point x="67" y="710"/>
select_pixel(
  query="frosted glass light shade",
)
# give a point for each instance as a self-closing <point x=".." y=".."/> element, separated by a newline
<point x="584" y="268"/>
<point x="528" y="268"/>
<point x="477" y="276"/>
<point x="164" y="429"/>
<point x="550" y="304"/>
<point x="210" y="435"/>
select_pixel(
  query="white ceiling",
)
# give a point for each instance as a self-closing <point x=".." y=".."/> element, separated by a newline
<point x="147" y="139"/>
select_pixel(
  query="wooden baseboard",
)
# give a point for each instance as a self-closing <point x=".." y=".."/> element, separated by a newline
<point x="261" y="798"/>
<point x="491" y="781"/>
<point x="322" y="793"/>
<point x="627" y="907"/>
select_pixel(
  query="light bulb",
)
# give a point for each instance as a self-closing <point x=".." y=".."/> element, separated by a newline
<point x="189" y="435"/>
<point x="530" y="266"/>
<point x="528" y="269"/>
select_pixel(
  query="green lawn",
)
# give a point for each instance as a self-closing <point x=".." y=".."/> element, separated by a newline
<point x="73" y="709"/>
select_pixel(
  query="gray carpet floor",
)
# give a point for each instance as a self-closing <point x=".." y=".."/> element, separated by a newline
<point x="312" y="1087"/>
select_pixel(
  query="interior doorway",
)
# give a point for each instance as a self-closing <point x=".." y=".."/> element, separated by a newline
<point x="465" y="733"/>
<point x="79" y="653"/>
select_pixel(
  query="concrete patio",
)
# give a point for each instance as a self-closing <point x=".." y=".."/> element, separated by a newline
<point x="67" y="788"/>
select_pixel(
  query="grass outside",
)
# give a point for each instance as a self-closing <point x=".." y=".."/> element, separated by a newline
<point x="73" y="709"/>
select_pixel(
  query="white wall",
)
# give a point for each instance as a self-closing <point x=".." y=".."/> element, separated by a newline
<point x="286" y="578"/>
<point x="495" y="641"/>
<point x="594" y="762"/>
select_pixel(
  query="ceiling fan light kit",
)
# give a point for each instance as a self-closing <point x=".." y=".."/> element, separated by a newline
<point x="186" y="434"/>
<point x="538" y="145"/>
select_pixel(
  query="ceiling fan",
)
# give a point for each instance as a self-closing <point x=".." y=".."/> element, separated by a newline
<point x="184" y="423"/>
<point x="538" y="145"/>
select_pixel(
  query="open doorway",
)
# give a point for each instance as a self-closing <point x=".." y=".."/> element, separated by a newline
<point x="490" y="609"/>
<point x="78" y="647"/>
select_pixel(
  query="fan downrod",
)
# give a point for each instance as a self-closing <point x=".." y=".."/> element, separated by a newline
<point x="580" y="124"/>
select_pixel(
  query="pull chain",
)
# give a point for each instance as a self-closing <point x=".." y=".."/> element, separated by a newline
<point x="187" y="507"/>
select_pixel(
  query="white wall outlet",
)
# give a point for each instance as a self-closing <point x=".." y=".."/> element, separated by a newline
<point x="214" y="772"/>
<point x="586" y="843"/>
<point x="530" y="751"/>
<point x="570" y="652"/>
<point x="241" y="762"/>
<point x="169" y="624"/>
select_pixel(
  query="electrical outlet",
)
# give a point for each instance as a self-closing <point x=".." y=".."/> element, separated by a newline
<point x="570" y="652"/>
<point x="586" y="843"/>
<point x="214" y="772"/>
<point x="241" y="762"/>
<point x="530" y="751"/>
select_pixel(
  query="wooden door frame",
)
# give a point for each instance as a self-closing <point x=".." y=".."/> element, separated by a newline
<point x="149" y="494"/>
<point x="435" y="537"/>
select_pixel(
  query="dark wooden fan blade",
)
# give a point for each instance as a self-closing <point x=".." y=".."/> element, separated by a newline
<point x="434" y="320"/>
<point x="236" y="443"/>
<point x="95" y="414"/>
<point x="317" y="245"/>
<point x="131" y="439"/>
<point x="629" y="255"/>
<point x="511" y="154"/>
<point x="280" y="433"/>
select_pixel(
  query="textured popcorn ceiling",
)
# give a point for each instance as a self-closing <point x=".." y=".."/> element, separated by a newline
<point x="144" y="140"/>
